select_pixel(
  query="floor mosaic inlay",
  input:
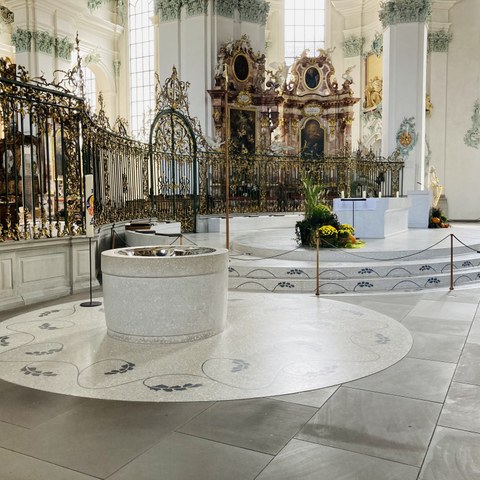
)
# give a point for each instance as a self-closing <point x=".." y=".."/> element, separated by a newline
<point x="271" y="346"/>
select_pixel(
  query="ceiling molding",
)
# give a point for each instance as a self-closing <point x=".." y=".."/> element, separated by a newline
<point x="351" y="8"/>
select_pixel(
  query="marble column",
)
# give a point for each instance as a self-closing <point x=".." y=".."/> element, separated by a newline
<point x="353" y="60"/>
<point x="404" y="85"/>
<point x="437" y="93"/>
<point x="190" y="35"/>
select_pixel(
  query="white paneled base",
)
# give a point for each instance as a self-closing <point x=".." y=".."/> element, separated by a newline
<point x="37" y="270"/>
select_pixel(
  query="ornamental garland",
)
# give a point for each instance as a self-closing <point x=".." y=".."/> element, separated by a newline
<point x="439" y="41"/>
<point x="353" y="46"/>
<point x="404" y="11"/>
<point x="472" y="137"/>
<point x="377" y="44"/>
<point x="120" y="4"/>
<point x="92" y="57"/>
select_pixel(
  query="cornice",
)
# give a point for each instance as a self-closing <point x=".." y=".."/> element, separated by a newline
<point x="348" y="8"/>
<point x="443" y="4"/>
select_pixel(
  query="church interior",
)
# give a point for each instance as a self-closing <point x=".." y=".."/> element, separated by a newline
<point x="160" y="313"/>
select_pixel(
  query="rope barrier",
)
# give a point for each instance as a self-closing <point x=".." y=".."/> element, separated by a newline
<point x="345" y="251"/>
<point x="264" y="258"/>
<point x="387" y="259"/>
<point x="465" y="245"/>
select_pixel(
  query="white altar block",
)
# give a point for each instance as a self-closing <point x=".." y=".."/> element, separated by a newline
<point x="421" y="201"/>
<point x="374" y="217"/>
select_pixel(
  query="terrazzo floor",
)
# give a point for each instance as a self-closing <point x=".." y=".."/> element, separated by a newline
<point x="270" y="346"/>
<point x="417" y="419"/>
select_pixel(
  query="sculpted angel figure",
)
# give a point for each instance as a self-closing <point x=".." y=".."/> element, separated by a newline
<point x="373" y="93"/>
<point x="434" y="186"/>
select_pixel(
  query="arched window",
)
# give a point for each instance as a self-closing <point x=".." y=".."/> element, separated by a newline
<point x="304" y="27"/>
<point x="89" y="82"/>
<point x="141" y="53"/>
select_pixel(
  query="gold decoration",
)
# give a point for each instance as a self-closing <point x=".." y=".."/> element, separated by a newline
<point x="244" y="99"/>
<point x="428" y="106"/>
<point x="332" y="123"/>
<point x="373" y="93"/>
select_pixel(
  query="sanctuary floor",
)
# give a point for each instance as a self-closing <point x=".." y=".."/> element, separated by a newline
<point x="417" y="419"/>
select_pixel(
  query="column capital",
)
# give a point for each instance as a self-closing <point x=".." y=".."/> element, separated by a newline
<point x="438" y="41"/>
<point x="404" y="11"/>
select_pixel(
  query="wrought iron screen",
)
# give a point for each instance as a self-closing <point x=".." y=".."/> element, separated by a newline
<point x="49" y="140"/>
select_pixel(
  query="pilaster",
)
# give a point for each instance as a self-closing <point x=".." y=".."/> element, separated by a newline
<point x="404" y="85"/>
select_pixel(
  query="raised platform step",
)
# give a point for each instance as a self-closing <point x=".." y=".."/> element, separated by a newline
<point x="264" y="262"/>
<point x="299" y="283"/>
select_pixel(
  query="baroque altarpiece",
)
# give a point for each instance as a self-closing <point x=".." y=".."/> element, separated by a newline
<point x="302" y="110"/>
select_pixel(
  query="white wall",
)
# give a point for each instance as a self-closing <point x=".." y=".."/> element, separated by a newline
<point x="462" y="171"/>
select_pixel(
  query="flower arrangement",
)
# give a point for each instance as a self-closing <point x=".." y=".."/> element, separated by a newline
<point x="437" y="219"/>
<point x="319" y="219"/>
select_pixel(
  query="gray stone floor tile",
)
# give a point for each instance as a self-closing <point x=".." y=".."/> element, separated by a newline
<point x="5" y="385"/>
<point x="312" y="398"/>
<point x="468" y="370"/>
<point x="15" y="466"/>
<point x="7" y="431"/>
<point x="462" y="407"/>
<point x="444" y="309"/>
<point x="399" y="379"/>
<point x="453" y="455"/>
<point x="262" y="425"/>
<point x="385" y="426"/>
<point x="436" y="346"/>
<point x="393" y="306"/>
<point x="28" y="408"/>
<point x="458" y="327"/>
<point x="183" y="457"/>
<point x="307" y="461"/>
<point x="99" y="437"/>
<point x="474" y="335"/>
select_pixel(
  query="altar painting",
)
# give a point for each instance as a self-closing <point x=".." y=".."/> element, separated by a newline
<point x="243" y="127"/>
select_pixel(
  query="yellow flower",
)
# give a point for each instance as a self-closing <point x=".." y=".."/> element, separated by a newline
<point x="327" y="231"/>
<point x="347" y="227"/>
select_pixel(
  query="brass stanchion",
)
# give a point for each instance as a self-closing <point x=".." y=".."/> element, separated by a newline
<point x="317" y="238"/>
<point x="451" y="261"/>
<point x="227" y="164"/>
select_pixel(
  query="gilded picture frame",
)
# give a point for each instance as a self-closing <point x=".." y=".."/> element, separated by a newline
<point x="243" y="130"/>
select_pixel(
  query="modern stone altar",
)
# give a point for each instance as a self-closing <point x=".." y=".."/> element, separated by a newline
<point x="374" y="217"/>
<point x="153" y="235"/>
<point x="165" y="294"/>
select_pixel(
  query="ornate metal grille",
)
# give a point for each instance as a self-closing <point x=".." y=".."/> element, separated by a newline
<point x="49" y="141"/>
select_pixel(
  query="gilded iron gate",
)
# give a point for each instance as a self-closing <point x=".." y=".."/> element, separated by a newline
<point x="173" y="158"/>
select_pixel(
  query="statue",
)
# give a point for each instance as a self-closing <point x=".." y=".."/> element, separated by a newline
<point x="434" y="186"/>
<point x="373" y="93"/>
